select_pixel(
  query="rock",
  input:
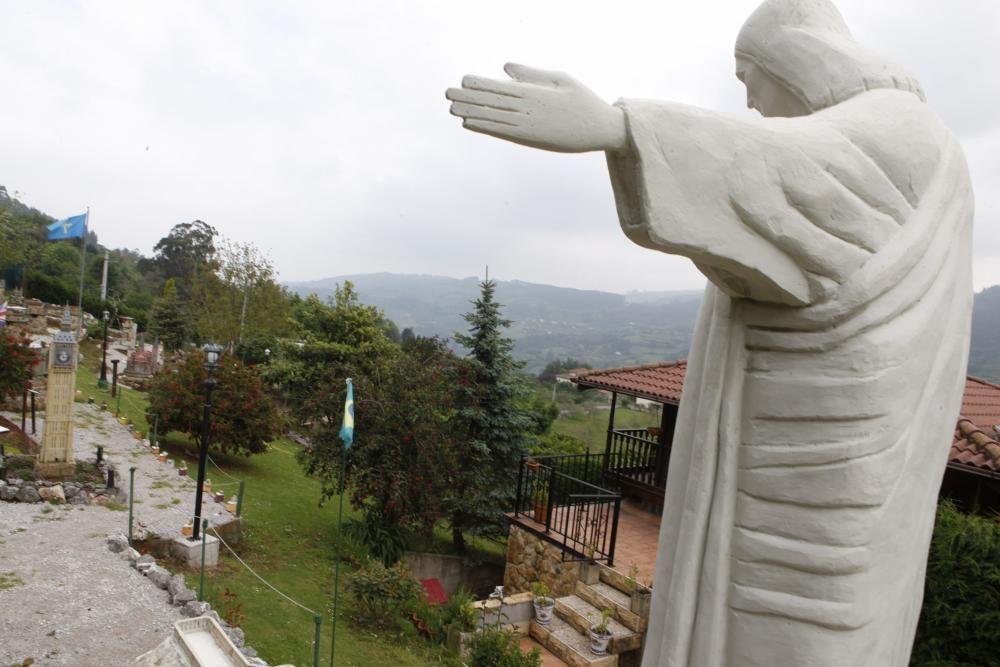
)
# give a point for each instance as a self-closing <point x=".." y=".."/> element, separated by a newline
<point x="8" y="493"/>
<point x="28" y="494"/>
<point x="236" y="636"/>
<point x="14" y="481"/>
<point x="218" y="619"/>
<point x="248" y="651"/>
<point x="117" y="543"/>
<point x="131" y="555"/>
<point x="99" y="500"/>
<point x="183" y="597"/>
<point x="79" y="498"/>
<point x="159" y="576"/>
<point x="256" y="662"/>
<point x="70" y="489"/>
<point x="195" y="608"/>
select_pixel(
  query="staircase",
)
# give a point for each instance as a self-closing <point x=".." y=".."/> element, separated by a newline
<point x="568" y="635"/>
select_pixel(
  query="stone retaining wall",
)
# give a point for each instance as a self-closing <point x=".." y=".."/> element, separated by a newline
<point x="530" y="559"/>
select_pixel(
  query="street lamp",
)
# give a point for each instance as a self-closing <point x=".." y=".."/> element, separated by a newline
<point x="212" y="353"/>
<point x="102" y="382"/>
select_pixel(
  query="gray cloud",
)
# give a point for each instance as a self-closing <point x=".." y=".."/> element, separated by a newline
<point x="320" y="130"/>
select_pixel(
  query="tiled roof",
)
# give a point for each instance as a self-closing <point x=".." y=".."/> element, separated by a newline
<point x="976" y="444"/>
<point x="660" y="382"/>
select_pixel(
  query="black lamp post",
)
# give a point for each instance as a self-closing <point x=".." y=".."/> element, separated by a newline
<point x="102" y="382"/>
<point x="212" y="353"/>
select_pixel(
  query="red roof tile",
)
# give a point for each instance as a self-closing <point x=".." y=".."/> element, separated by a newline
<point x="976" y="444"/>
<point x="660" y="382"/>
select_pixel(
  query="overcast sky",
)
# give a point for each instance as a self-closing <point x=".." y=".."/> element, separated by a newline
<point x="319" y="131"/>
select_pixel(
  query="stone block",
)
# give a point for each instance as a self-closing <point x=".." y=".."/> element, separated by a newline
<point x="28" y="494"/>
<point x="117" y="543"/>
<point x="194" y="608"/>
<point x="159" y="576"/>
<point x="189" y="551"/>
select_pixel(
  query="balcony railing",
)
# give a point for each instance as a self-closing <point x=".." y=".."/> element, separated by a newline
<point x="637" y="460"/>
<point x="556" y="496"/>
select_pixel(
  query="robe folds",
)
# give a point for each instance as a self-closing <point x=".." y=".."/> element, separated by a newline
<point x="825" y="377"/>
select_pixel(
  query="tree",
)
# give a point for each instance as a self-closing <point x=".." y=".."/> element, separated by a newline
<point x="244" y="417"/>
<point x="16" y="360"/>
<point x="186" y="250"/>
<point x="406" y="453"/>
<point x="493" y="425"/>
<point x="169" y="319"/>
<point x="554" y="368"/>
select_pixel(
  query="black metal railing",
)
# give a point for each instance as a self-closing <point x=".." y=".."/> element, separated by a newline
<point x="633" y="457"/>
<point x="579" y="515"/>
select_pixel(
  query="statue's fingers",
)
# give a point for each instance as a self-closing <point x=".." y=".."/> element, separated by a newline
<point x="482" y="98"/>
<point x="539" y="77"/>
<point x="476" y="112"/>
<point x="501" y="130"/>
<point x="509" y="88"/>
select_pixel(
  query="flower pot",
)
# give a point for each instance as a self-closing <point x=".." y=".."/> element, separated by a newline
<point x="640" y="601"/>
<point x="137" y="434"/>
<point x="155" y="449"/>
<point x="206" y="486"/>
<point x="187" y="530"/>
<point x="543" y="610"/>
<point x="599" y="642"/>
<point x="183" y="472"/>
<point x="541" y="512"/>
<point x="590" y="573"/>
<point x="219" y="497"/>
<point x="163" y="457"/>
<point x="231" y="506"/>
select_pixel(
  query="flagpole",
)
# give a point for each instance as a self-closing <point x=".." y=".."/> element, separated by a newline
<point x="346" y="437"/>
<point x="83" y="256"/>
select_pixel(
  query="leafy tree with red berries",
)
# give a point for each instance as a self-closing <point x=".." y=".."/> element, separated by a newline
<point x="16" y="360"/>
<point x="244" y="417"/>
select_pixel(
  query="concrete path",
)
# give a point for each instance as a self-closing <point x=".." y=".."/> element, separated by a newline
<point x="65" y="599"/>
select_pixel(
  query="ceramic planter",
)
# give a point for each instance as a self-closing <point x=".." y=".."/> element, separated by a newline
<point x="599" y="642"/>
<point x="182" y="472"/>
<point x="543" y="610"/>
<point x="155" y="449"/>
<point x="219" y="497"/>
<point x="206" y="486"/>
<point x="231" y="506"/>
<point x="541" y="512"/>
<point x="187" y="530"/>
<point x="163" y="457"/>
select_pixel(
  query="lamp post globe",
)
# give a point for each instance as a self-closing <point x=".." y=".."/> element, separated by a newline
<point x="212" y="354"/>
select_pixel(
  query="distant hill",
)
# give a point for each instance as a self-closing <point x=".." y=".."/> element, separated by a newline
<point x="549" y="323"/>
<point x="602" y="328"/>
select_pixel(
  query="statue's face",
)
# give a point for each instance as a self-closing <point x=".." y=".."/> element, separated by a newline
<point x="766" y="94"/>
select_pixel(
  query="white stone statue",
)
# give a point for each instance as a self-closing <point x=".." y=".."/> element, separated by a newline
<point x="827" y="368"/>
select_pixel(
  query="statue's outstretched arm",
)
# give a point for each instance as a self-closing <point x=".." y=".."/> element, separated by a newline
<point x="541" y="109"/>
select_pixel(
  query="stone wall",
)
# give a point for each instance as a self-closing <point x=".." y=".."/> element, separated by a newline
<point x="530" y="559"/>
<point x="455" y="572"/>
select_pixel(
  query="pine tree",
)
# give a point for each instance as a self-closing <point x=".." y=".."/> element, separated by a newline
<point x="493" y="425"/>
<point x="169" y="320"/>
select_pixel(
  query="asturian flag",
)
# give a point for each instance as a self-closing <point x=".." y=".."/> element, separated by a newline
<point x="70" y="228"/>
<point x="3" y="314"/>
<point x="347" y="427"/>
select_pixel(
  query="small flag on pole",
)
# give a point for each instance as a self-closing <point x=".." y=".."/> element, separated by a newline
<point x="71" y="228"/>
<point x="3" y="314"/>
<point x="347" y="427"/>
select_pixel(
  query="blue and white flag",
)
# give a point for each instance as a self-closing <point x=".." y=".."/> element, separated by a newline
<point x="347" y="427"/>
<point x="70" y="228"/>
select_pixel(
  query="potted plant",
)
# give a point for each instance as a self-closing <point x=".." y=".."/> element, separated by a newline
<point x="461" y="608"/>
<point x="231" y="505"/>
<point x="163" y="457"/>
<point x="543" y="603"/>
<point x="600" y="634"/>
<point x="640" y="596"/>
<point x="187" y="530"/>
<point x="532" y="464"/>
<point x="206" y="486"/>
<point x="155" y="449"/>
<point x="540" y="500"/>
<point x="183" y="470"/>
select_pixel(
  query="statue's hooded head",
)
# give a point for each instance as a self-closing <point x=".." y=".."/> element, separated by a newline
<point x="798" y="56"/>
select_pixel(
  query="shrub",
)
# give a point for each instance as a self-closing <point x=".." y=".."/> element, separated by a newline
<point x="460" y="612"/>
<point x="16" y="359"/>
<point x="496" y="647"/>
<point x="961" y="609"/>
<point x="381" y="594"/>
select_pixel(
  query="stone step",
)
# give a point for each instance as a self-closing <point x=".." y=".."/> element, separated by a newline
<point x="581" y="615"/>
<point x="602" y="596"/>
<point x="566" y="643"/>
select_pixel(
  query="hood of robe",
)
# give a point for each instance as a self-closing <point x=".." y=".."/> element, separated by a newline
<point x="806" y="45"/>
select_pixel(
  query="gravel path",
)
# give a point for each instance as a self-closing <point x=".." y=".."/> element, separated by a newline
<point x="65" y="599"/>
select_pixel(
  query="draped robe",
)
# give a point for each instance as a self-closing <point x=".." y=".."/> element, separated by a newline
<point x="824" y="380"/>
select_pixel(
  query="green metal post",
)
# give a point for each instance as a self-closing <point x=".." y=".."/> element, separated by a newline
<point x="131" y="494"/>
<point x="201" y="576"/>
<point x="317" y="619"/>
<point x="239" y="499"/>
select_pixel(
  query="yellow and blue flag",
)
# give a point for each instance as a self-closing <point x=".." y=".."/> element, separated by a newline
<point x="347" y="427"/>
<point x="71" y="228"/>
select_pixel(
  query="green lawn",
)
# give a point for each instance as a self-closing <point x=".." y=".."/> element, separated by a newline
<point x="591" y="424"/>
<point x="291" y="542"/>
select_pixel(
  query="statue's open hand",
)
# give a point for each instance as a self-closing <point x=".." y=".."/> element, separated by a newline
<point x="539" y="108"/>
